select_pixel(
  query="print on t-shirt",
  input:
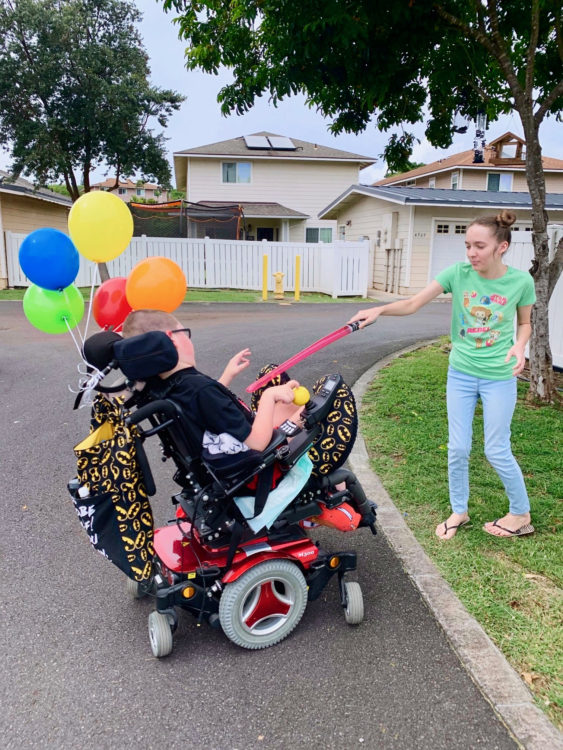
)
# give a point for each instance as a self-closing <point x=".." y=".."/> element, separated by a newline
<point x="482" y="317"/>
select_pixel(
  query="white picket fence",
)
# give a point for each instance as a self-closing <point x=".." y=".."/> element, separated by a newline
<point x="338" y="269"/>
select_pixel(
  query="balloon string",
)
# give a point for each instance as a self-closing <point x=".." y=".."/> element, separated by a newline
<point x="78" y="346"/>
<point x="90" y="303"/>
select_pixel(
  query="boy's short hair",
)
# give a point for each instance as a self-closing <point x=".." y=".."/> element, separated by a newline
<point x="143" y="321"/>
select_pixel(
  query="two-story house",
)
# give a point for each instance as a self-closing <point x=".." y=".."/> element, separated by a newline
<point x="280" y="183"/>
<point x="129" y="190"/>
<point x="416" y="221"/>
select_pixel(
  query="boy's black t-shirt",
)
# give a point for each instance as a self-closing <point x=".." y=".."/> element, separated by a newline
<point x="206" y="404"/>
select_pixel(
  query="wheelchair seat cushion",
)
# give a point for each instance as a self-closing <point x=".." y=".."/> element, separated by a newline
<point x="146" y="355"/>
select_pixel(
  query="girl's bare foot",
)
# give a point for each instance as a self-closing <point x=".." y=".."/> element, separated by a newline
<point x="448" y="529"/>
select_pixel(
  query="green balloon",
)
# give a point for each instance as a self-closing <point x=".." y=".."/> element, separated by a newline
<point x="51" y="310"/>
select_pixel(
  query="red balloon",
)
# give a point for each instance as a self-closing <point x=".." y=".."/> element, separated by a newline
<point x="110" y="306"/>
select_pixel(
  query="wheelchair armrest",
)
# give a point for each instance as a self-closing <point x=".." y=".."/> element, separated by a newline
<point x="164" y="407"/>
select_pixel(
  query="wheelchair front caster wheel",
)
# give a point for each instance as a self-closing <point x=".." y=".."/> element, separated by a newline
<point x="135" y="589"/>
<point x="354" y="609"/>
<point x="160" y="634"/>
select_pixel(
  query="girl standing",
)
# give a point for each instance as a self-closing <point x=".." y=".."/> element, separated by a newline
<point x="487" y="296"/>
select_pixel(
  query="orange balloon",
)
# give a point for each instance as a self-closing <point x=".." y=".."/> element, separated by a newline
<point x="156" y="284"/>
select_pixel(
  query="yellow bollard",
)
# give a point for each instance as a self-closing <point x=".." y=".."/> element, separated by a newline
<point x="297" y="277"/>
<point x="278" y="276"/>
<point x="264" y="278"/>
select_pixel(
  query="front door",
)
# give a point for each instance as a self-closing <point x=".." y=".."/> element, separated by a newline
<point x="265" y="233"/>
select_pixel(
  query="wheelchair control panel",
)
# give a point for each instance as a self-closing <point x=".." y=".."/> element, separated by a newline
<point x="321" y="403"/>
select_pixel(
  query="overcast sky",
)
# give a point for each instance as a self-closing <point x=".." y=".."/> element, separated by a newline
<point x="200" y="122"/>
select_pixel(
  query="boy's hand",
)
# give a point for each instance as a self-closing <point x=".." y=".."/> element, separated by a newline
<point x="235" y="366"/>
<point x="366" y="317"/>
<point x="283" y="393"/>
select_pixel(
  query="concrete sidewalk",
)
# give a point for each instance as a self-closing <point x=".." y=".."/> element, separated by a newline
<point x="498" y="681"/>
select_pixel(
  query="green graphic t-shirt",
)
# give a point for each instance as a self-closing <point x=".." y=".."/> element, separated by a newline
<point x="483" y="314"/>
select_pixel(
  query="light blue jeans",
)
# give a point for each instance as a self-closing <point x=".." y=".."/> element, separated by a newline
<point x="499" y="399"/>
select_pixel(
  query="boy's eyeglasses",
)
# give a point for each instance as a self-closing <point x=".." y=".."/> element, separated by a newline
<point x="187" y="331"/>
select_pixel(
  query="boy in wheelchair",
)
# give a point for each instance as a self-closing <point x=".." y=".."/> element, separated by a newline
<point x="237" y="554"/>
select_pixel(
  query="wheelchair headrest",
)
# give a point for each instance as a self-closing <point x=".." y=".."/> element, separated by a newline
<point x="98" y="349"/>
<point x="146" y="355"/>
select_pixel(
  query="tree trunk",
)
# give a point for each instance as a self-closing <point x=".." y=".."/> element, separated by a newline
<point x="542" y="381"/>
<point x="103" y="271"/>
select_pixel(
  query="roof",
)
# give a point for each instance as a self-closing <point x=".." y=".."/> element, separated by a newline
<point x="257" y="210"/>
<point x="303" y="150"/>
<point x="20" y="186"/>
<point x="465" y="159"/>
<point x="414" y="196"/>
<point x="123" y="183"/>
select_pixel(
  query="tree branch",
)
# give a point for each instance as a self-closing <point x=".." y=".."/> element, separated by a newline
<point x="554" y="94"/>
<point x="531" y="56"/>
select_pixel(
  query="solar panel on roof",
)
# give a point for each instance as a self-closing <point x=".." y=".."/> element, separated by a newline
<point x="256" y="141"/>
<point x="281" y="142"/>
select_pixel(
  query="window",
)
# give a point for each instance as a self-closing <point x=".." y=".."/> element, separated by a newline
<point x="499" y="181"/>
<point x="140" y="191"/>
<point x="460" y="228"/>
<point x="442" y="228"/>
<point x="409" y="183"/>
<point x="122" y="191"/>
<point x="342" y="232"/>
<point x="432" y="182"/>
<point x="455" y="180"/>
<point x="318" y="234"/>
<point x="236" y="171"/>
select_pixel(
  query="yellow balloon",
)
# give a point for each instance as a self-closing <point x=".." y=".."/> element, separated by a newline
<point x="100" y="225"/>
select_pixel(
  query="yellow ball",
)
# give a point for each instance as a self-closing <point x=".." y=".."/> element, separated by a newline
<point x="300" y="396"/>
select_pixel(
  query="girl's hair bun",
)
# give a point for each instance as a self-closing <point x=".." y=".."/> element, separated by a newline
<point x="505" y="219"/>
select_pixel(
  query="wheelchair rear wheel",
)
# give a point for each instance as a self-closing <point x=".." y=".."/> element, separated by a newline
<point x="264" y="605"/>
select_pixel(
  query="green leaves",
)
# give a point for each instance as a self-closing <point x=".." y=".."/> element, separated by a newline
<point x="74" y="91"/>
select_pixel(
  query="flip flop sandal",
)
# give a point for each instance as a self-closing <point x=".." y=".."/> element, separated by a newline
<point x="449" y="528"/>
<point x="524" y="530"/>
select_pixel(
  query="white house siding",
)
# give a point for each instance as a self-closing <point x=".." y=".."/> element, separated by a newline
<point x="385" y="224"/>
<point x="304" y="186"/>
<point x="426" y="219"/>
<point x="474" y="179"/>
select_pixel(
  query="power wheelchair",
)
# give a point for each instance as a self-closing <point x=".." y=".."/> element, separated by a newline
<point x="239" y="554"/>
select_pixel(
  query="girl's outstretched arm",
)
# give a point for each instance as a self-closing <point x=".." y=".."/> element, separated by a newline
<point x="401" y="307"/>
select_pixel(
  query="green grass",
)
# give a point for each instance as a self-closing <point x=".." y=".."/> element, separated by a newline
<point x="511" y="586"/>
<point x="217" y="295"/>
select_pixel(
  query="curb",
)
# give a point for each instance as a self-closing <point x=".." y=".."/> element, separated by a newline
<point x="494" y="676"/>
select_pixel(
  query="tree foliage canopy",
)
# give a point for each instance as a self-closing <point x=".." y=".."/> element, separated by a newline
<point x="394" y="62"/>
<point x="74" y="92"/>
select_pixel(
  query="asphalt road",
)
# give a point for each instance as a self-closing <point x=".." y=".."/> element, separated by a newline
<point x="78" y="671"/>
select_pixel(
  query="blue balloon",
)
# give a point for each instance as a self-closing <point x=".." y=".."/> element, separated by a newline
<point x="49" y="259"/>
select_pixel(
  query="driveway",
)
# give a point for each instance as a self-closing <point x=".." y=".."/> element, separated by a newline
<point x="78" y="668"/>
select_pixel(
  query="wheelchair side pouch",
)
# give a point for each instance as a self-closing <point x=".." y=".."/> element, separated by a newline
<point x="110" y="494"/>
<point x="125" y="541"/>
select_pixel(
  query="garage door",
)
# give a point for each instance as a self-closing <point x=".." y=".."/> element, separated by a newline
<point x="448" y="245"/>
